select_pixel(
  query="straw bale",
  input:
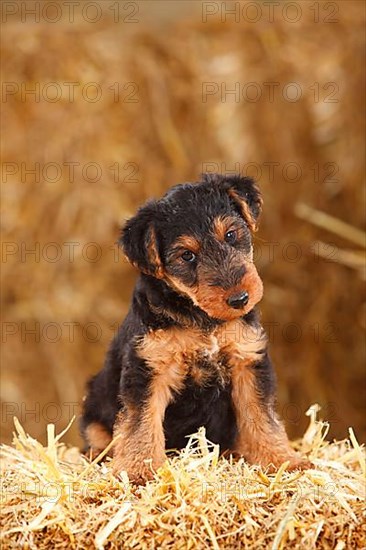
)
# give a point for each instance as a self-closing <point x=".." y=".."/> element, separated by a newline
<point x="168" y="136"/>
<point x="52" y="496"/>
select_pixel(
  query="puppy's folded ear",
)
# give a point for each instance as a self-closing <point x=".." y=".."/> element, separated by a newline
<point x="139" y="242"/>
<point x="245" y="194"/>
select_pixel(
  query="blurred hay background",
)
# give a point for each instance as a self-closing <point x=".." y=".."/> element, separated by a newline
<point x="161" y="130"/>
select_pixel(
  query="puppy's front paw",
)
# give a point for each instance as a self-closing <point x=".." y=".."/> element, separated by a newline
<point x="295" y="460"/>
<point x="299" y="462"/>
<point x="139" y="472"/>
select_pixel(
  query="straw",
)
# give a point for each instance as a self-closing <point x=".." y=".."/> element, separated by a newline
<point x="196" y="499"/>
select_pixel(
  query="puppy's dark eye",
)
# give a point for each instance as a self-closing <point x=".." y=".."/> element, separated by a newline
<point x="188" y="256"/>
<point x="230" y="237"/>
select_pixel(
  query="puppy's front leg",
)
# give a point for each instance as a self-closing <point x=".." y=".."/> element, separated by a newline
<point x="146" y="391"/>
<point x="140" y="448"/>
<point x="261" y="438"/>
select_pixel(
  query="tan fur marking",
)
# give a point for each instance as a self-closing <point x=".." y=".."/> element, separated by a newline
<point x="97" y="437"/>
<point x="153" y="254"/>
<point x="182" y="288"/>
<point x="245" y="210"/>
<point x="188" y="242"/>
<point x="241" y="341"/>
<point x="223" y="224"/>
<point x="200" y="376"/>
<point x="167" y="349"/>
<point x="252" y="283"/>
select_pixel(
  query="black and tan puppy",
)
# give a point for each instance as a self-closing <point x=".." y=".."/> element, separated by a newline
<point x="191" y="351"/>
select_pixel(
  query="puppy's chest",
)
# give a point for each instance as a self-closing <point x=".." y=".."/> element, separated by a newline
<point x="203" y="357"/>
<point x="208" y="364"/>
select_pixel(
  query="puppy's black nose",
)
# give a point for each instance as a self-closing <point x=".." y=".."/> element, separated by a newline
<point x="237" y="301"/>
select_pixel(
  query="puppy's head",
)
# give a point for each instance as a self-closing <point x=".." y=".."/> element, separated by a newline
<point x="197" y="238"/>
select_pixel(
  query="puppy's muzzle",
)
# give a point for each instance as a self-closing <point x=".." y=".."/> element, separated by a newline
<point x="238" y="301"/>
